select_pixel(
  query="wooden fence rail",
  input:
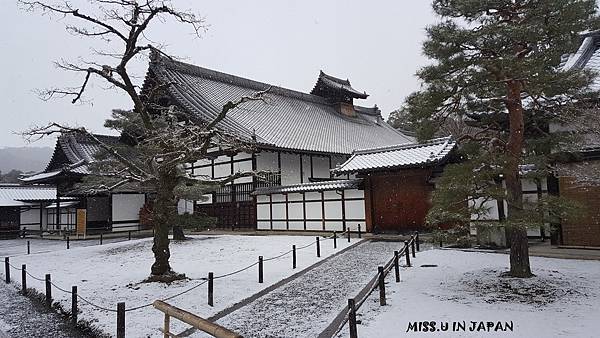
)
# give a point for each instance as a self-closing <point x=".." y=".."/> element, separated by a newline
<point x="199" y="323"/>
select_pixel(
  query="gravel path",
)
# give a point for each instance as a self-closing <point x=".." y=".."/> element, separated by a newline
<point x="22" y="317"/>
<point x="306" y="305"/>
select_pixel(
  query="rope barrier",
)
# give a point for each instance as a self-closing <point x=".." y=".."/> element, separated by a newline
<point x="373" y="284"/>
<point x="175" y="295"/>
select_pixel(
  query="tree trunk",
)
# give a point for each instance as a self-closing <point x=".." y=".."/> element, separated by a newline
<point x="178" y="234"/>
<point x="519" y="247"/>
<point x="164" y="211"/>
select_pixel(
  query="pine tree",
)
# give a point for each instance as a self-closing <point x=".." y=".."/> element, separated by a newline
<point x="496" y="66"/>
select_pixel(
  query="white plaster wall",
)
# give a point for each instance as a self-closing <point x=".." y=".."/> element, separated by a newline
<point x="266" y="160"/>
<point x="295" y="211"/>
<point x="126" y="207"/>
<point x="492" y="210"/>
<point x="321" y="167"/>
<point x="333" y="210"/>
<point x="185" y="207"/>
<point x="306" y="168"/>
<point x="355" y="209"/>
<point x="290" y="169"/>
<point x="313" y="210"/>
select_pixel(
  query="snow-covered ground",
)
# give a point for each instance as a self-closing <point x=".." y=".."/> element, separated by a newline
<point x="305" y="306"/>
<point x="563" y="300"/>
<point x="113" y="273"/>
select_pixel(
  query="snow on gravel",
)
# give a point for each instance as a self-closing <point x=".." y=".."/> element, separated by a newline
<point x="563" y="300"/>
<point x="112" y="273"/>
<point x="305" y="306"/>
<point x="21" y="317"/>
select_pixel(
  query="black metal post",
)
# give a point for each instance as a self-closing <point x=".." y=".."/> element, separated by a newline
<point x="74" y="304"/>
<point x="48" y="290"/>
<point x="418" y="241"/>
<point x="68" y="244"/>
<point x="101" y="235"/>
<point x="121" y="320"/>
<point x="348" y="235"/>
<point x="352" y="318"/>
<point x="129" y="235"/>
<point x="293" y="256"/>
<point x="7" y="269"/>
<point x="210" y="288"/>
<point x="28" y="248"/>
<point x="260" y="269"/>
<point x="412" y="246"/>
<point x="396" y="266"/>
<point x="407" y="253"/>
<point x="359" y="232"/>
<point x="24" y="278"/>
<point x="381" y="285"/>
<point x="318" y="247"/>
<point x="335" y="240"/>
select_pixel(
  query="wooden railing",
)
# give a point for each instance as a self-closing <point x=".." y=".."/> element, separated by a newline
<point x="202" y="324"/>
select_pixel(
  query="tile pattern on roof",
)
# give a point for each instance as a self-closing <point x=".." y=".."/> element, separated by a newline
<point x="307" y="187"/>
<point x="401" y="156"/>
<point x="287" y="119"/>
<point x="586" y="57"/>
<point x="14" y="195"/>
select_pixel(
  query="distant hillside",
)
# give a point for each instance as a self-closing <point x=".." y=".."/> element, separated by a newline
<point x="24" y="158"/>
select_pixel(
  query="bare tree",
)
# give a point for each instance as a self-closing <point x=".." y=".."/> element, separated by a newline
<point x="165" y="138"/>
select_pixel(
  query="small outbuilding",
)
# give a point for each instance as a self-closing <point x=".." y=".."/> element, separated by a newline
<point x="398" y="182"/>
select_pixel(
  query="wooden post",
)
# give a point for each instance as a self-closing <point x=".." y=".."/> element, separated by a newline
<point x="396" y="266"/>
<point x="381" y="285"/>
<point x="121" y="320"/>
<point x="412" y="246"/>
<point x="293" y="256"/>
<point x="28" y="247"/>
<point x="48" y="290"/>
<point x="359" y="232"/>
<point x="418" y="241"/>
<point x="167" y="329"/>
<point x="7" y="269"/>
<point x="74" y="304"/>
<point x="210" y="288"/>
<point x="348" y="235"/>
<point x="352" y="318"/>
<point x="407" y="253"/>
<point x="318" y="247"/>
<point x="260" y="269"/>
<point x="24" y="278"/>
<point x="68" y="244"/>
<point x="101" y="238"/>
<point x="335" y="240"/>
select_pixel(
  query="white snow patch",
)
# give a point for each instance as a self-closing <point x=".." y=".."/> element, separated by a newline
<point x="112" y="273"/>
<point x="563" y="300"/>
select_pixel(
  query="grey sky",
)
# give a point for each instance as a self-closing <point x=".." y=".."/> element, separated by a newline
<point x="376" y="44"/>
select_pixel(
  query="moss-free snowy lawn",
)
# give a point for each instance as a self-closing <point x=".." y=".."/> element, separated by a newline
<point x="112" y="273"/>
<point x="563" y="300"/>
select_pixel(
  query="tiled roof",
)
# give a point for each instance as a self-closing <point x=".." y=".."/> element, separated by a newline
<point x="401" y="156"/>
<point x="327" y="83"/>
<point x="287" y="119"/>
<point x="307" y="187"/>
<point x="586" y="57"/>
<point x="72" y="154"/>
<point x="15" y="195"/>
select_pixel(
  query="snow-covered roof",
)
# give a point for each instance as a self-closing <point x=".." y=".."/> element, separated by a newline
<point x="17" y="195"/>
<point x="400" y="156"/>
<point x="286" y="119"/>
<point x="72" y="154"/>
<point x="586" y="57"/>
<point x="306" y="187"/>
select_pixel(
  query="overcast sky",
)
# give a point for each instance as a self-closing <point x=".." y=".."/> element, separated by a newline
<point x="376" y="44"/>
